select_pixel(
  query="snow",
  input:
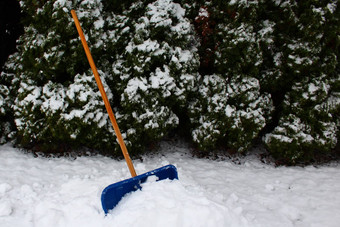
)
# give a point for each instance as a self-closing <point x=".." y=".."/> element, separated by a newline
<point x="229" y="110"/>
<point x="99" y="23"/>
<point x="162" y="78"/>
<point x="159" y="13"/>
<point x="135" y="84"/>
<point x="146" y="46"/>
<point x="332" y="7"/>
<point x="66" y="192"/>
<point x="203" y="12"/>
<point x="53" y="99"/>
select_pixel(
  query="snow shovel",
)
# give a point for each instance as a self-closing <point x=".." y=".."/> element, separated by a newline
<point x="113" y="193"/>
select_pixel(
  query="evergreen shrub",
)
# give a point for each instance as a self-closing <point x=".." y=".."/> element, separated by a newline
<point x="146" y="59"/>
<point x="56" y="103"/>
<point x="231" y="71"/>
<point x="230" y="109"/>
<point x="304" y="78"/>
<point x="157" y="68"/>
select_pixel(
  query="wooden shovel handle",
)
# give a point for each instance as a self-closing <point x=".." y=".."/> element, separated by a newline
<point x="104" y="96"/>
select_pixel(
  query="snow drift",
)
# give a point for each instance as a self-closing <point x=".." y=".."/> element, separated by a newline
<point x="66" y="192"/>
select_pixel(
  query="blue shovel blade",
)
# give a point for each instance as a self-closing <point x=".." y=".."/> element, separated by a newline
<point x="113" y="193"/>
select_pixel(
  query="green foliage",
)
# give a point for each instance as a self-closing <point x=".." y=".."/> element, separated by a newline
<point x="309" y="129"/>
<point x="228" y="112"/>
<point x="8" y="90"/>
<point x="157" y="69"/>
<point x="5" y="126"/>
<point x="303" y="79"/>
<point x="56" y="101"/>
<point x="146" y="56"/>
<point x="231" y="71"/>
<point x="229" y="109"/>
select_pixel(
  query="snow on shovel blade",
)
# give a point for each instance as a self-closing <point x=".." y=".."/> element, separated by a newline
<point x="113" y="193"/>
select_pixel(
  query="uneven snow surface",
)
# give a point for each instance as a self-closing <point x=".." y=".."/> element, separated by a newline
<point x="66" y="192"/>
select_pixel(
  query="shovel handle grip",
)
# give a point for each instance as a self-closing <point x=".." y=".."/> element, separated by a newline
<point x="104" y="96"/>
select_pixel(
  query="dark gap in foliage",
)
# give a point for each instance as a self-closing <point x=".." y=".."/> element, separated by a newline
<point x="10" y="28"/>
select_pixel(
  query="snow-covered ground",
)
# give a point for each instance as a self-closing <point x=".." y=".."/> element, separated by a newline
<point x="65" y="192"/>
